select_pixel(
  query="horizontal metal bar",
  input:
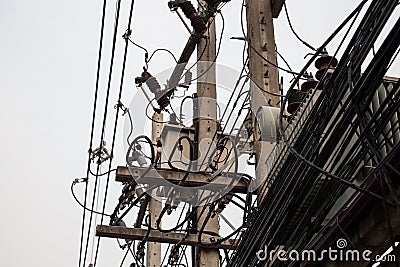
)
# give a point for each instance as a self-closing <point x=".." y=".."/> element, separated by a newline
<point x="160" y="176"/>
<point x="157" y="236"/>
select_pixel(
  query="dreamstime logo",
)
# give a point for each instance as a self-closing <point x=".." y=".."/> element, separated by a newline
<point x="331" y="254"/>
<point x="174" y="151"/>
<point x="341" y="243"/>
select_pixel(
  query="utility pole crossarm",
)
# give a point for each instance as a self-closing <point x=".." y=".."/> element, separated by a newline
<point x="157" y="236"/>
<point x="162" y="176"/>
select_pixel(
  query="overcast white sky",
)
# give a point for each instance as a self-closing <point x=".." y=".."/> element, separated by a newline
<point x="48" y="57"/>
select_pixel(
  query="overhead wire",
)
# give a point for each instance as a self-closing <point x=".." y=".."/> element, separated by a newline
<point x="108" y="89"/>
<point x="263" y="190"/>
<point x="95" y="218"/>
<point x="293" y="31"/>
<point x="311" y="60"/>
<point x="128" y="246"/>
<point x="92" y="126"/>
<point x="255" y="50"/>
<point x="179" y="218"/>
<point x="103" y="128"/>
<point x="119" y="101"/>
<point x="146" y="52"/>
<point x="117" y="12"/>
<point x="162" y="49"/>
<point x="123" y="259"/>
<point x="241" y="76"/>
<point x="102" y="174"/>
<point x="80" y="203"/>
<point x="97" y="174"/>
<point x="205" y="48"/>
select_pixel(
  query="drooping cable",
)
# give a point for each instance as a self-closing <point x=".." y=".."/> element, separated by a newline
<point x="243" y="252"/>
<point x="293" y="31"/>
<point x="80" y="203"/>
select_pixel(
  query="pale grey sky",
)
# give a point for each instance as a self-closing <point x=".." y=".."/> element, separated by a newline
<point x="48" y="55"/>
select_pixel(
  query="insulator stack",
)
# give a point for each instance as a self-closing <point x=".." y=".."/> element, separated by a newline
<point x="311" y="83"/>
<point x="187" y="9"/>
<point x="140" y="251"/>
<point x="326" y="65"/>
<point x="128" y="194"/>
<point x="174" y="256"/>
<point x="162" y="96"/>
<point x="187" y="80"/>
<point x="188" y="77"/>
<point x="295" y="99"/>
<point x="222" y="203"/>
<point x="153" y="85"/>
<point x="195" y="19"/>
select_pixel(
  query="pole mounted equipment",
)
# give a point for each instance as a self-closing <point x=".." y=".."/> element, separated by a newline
<point x="162" y="96"/>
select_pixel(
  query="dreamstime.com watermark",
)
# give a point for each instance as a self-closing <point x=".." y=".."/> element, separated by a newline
<point x="340" y="254"/>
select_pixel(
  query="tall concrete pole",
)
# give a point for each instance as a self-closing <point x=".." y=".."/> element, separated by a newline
<point x="263" y="74"/>
<point x="155" y="206"/>
<point x="207" y="126"/>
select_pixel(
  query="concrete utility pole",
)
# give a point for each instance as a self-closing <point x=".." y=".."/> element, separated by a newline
<point x="263" y="74"/>
<point x="261" y="39"/>
<point x="155" y="206"/>
<point x="207" y="127"/>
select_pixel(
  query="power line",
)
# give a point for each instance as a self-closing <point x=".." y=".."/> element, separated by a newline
<point x="274" y="219"/>
<point x="117" y="12"/>
<point x="92" y="127"/>
<point x="294" y="32"/>
<point x="80" y="203"/>
<point x="117" y="112"/>
<point x="282" y="191"/>
<point x="255" y="50"/>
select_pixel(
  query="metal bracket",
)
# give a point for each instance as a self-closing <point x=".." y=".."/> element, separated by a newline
<point x="101" y="153"/>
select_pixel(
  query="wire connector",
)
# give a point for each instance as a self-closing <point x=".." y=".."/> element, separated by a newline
<point x="122" y="107"/>
<point x="101" y="153"/>
<point x="175" y="255"/>
<point x="127" y="34"/>
<point x="162" y="96"/>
